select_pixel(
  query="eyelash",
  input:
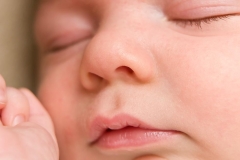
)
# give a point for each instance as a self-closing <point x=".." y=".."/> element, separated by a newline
<point x="198" y="22"/>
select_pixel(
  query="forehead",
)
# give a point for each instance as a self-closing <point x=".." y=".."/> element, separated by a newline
<point x="89" y="5"/>
<point x="101" y="3"/>
<point x="95" y="6"/>
<point x="81" y="3"/>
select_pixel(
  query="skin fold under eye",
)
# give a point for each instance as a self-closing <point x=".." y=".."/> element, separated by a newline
<point x="200" y="21"/>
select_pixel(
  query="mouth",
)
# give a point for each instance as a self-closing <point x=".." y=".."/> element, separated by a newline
<point x="124" y="131"/>
<point x="131" y="137"/>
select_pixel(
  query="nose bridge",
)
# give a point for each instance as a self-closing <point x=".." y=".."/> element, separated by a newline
<point x="116" y="54"/>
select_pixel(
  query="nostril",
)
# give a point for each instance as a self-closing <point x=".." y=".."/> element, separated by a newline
<point x="94" y="78"/>
<point x="94" y="81"/>
<point x="125" y="69"/>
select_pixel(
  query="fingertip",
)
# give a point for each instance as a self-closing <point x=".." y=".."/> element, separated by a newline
<point x="27" y="92"/>
<point x="18" y="119"/>
<point x="2" y="81"/>
<point x="3" y="96"/>
<point x="24" y="90"/>
<point x="17" y="109"/>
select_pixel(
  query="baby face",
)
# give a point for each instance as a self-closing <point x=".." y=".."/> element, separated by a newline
<point x="141" y="79"/>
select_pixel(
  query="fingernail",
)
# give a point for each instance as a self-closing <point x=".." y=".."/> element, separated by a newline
<point x="3" y="97"/>
<point x="18" y="119"/>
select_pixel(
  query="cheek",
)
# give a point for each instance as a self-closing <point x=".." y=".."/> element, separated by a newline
<point x="58" y="91"/>
<point x="61" y="93"/>
<point x="65" y="113"/>
<point x="208" y="83"/>
<point x="205" y="79"/>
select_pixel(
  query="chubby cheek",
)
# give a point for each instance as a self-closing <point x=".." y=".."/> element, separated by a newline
<point x="62" y="97"/>
<point x="206" y="81"/>
<point x="65" y="113"/>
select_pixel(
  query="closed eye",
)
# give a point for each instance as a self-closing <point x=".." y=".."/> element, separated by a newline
<point x="200" y="21"/>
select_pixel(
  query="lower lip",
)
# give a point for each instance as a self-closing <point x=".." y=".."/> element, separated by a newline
<point x="132" y="137"/>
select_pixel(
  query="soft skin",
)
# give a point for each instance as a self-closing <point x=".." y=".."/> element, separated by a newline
<point x="152" y="60"/>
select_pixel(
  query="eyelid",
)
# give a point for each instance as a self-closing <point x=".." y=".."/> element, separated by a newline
<point x="199" y="21"/>
<point x="195" y="9"/>
<point x="68" y="39"/>
<point x="195" y="12"/>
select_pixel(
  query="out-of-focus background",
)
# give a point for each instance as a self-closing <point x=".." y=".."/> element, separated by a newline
<point x="17" y="49"/>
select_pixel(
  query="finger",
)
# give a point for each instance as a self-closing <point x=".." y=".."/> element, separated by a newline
<point x="3" y="97"/>
<point x="17" y="108"/>
<point x="38" y="114"/>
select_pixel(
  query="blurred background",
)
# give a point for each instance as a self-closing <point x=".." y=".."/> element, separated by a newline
<point x="17" y="49"/>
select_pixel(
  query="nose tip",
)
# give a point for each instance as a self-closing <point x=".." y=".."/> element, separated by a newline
<point x="106" y="61"/>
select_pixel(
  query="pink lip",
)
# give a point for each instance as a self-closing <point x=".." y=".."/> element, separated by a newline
<point x="125" y="131"/>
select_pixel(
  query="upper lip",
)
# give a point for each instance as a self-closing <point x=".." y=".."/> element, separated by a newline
<point x="100" y="124"/>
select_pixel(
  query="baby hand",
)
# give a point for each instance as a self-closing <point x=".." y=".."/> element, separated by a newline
<point x="26" y="129"/>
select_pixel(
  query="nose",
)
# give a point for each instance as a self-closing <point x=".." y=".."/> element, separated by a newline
<point x="115" y="56"/>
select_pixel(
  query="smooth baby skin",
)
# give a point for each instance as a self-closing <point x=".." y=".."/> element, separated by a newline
<point x="151" y="67"/>
<point x="130" y="80"/>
